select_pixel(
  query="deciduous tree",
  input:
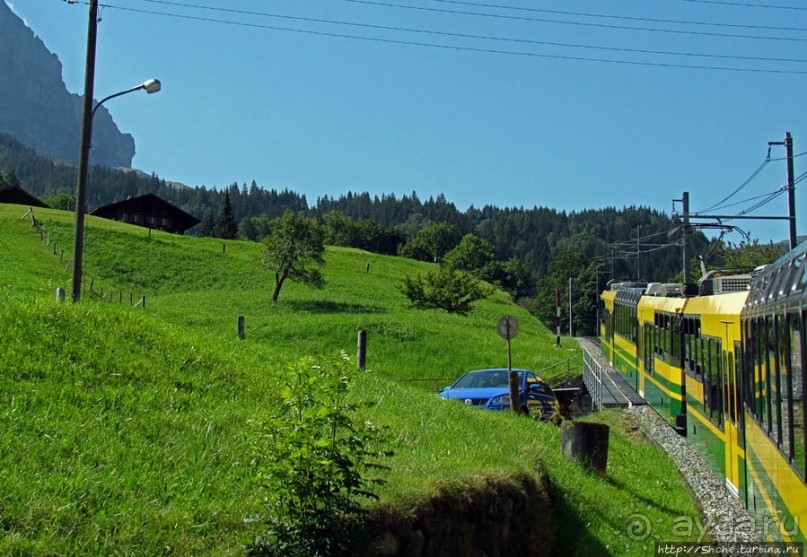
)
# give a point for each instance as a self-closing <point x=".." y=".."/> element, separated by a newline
<point x="293" y="249"/>
<point x="448" y="289"/>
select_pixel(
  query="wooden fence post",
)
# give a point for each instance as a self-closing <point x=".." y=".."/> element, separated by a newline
<point x="361" y="352"/>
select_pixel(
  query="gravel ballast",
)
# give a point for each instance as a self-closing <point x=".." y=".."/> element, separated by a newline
<point x="726" y="519"/>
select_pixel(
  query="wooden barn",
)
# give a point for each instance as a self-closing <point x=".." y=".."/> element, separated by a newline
<point x="15" y="195"/>
<point x="148" y="211"/>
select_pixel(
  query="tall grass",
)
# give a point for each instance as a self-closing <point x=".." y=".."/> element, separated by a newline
<point x="124" y="431"/>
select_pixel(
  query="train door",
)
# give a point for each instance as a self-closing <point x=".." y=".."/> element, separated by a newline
<point x="648" y="351"/>
<point x="731" y="416"/>
<point x="736" y="416"/>
<point x="637" y="341"/>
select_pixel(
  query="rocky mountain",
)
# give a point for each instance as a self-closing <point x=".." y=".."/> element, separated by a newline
<point x="37" y="108"/>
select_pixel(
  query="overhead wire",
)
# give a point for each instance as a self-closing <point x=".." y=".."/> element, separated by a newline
<point x="448" y="46"/>
<point x="765" y="198"/>
<point x="746" y="4"/>
<point x="580" y="23"/>
<point x="739" y="188"/>
<point x="736" y="203"/>
<point x="621" y="17"/>
<point x="473" y="36"/>
<point x="785" y="158"/>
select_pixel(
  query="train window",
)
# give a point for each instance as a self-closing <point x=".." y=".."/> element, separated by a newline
<point x="800" y="284"/>
<point x="691" y="355"/>
<point x="667" y="336"/>
<point x="712" y="383"/>
<point x="729" y="384"/>
<point x="770" y="378"/>
<point x="783" y="394"/>
<point x="760" y="392"/>
<point x="798" y="368"/>
<point x="675" y="348"/>
<point x="774" y="284"/>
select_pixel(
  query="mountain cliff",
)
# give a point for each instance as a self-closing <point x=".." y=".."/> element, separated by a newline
<point x="37" y="108"/>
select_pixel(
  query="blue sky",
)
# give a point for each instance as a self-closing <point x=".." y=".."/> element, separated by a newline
<point x="328" y="96"/>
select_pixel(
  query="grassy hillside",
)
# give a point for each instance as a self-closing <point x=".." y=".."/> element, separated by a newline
<point x="125" y="430"/>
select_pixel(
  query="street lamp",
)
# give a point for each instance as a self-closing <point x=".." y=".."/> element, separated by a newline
<point x="150" y="86"/>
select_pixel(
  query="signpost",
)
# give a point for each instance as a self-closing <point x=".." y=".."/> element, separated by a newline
<point x="507" y="327"/>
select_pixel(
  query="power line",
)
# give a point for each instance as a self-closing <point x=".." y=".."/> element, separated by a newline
<point x="472" y="36"/>
<point x="762" y="203"/>
<point x="785" y="158"/>
<point x="626" y="18"/>
<point x="457" y="47"/>
<point x="764" y="199"/>
<point x="746" y="5"/>
<point x="755" y="198"/>
<point x="580" y="23"/>
<point x="748" y="180"/>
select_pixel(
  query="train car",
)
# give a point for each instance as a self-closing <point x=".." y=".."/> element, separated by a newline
<point x="773" y="373"/>
<point x="726" y="368"/>
<point x="621" y="330"/>
<point x="661" y="377"/>
<point x="710" y="344"/>
<point x="606" y="328"/>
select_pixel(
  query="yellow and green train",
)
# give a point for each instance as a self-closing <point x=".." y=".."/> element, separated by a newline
<point x="726" y="367"/>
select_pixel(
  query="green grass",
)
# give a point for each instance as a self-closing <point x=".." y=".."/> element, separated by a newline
<point x="125" y="430"/>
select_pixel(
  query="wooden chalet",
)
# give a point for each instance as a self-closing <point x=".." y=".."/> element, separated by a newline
<point x="148" y="211"/>
<point x="15" y="195"/>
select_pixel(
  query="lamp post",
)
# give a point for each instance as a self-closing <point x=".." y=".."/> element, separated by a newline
<point x="150" y="86"/>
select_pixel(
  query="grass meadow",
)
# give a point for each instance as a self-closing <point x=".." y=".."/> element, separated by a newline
<point x="125" y="430"/>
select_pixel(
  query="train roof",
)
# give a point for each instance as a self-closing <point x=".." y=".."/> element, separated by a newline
<point x="629" y="296"/>
<point x="782" y="282"/>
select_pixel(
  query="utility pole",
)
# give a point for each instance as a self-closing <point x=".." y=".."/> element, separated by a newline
<point x="638" y="271"/>
<point x="613" y="256"/>
<point x="84" y="154"/>
<point x="685" y="238"/>
<point x="791" y="186"/>
<point x="791" y="190"/>
<point x="570" y="307"/>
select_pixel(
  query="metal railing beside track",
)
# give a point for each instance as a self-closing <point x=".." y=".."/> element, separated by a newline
<point x="593" y="379"/>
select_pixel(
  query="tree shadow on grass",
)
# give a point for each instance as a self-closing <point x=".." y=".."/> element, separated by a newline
<point x="572" y="536"/>
<point x="642" y="499"/>
<point x="324" y="306"/>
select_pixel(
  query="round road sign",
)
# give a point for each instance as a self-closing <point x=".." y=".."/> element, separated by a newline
<point x="507" y="327"/>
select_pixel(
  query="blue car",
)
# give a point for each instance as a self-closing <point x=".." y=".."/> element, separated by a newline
<point x="490" y="389"/>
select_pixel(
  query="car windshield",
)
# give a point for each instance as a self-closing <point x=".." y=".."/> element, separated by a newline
<point x="484" y="379"/>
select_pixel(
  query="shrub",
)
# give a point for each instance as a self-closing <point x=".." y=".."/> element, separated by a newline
<point x="448" y="289"/>
<point x="314" y="458"/>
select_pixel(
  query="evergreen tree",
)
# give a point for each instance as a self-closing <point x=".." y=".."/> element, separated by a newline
<point x="207" y="227"/>
<point x="226" y="226"/>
